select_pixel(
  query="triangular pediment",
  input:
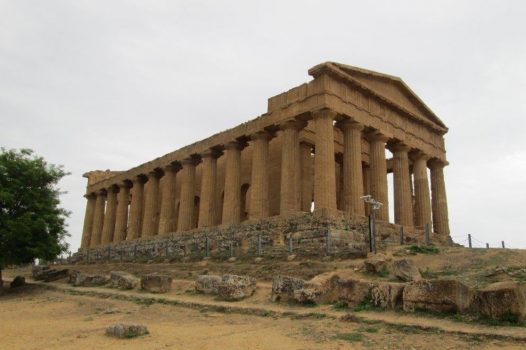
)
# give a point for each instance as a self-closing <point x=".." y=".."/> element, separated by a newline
<point x="389" y="87"/>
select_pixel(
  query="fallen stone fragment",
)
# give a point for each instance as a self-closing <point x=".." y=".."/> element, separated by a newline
<point x="123" y="280"/>
<point x="155" y="283"/>
<point x="375" y="264"/>
<point x="502" y="301"/>
<point x="234" y="287"/>
<point x="37" y="270"/>
<point x="126" y="331"/>
<point x="283" y="287"/>
<point x="306" y="295"/>
<point x="207" y="284"/>
<point x="405" y="270"/>
<point x="387" y="295"/>
<point x="18" y="281"/>
<point x="446" y="295"/>
<point x="49" y="275"/>
<point x="72" y="276"/>
<point x="90" y="280"/>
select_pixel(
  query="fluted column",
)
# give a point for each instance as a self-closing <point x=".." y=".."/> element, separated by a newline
<point x="259" y="200"/>
<point x="439" y="198"/>
<point x="187" y="204"/>
<point x="422" y="197"/>
<point x="290" y="192"/>
<point x="232" y="194"/>
<point x="167" y="216"/>
<point x="207" y="203"/>
<point x="403" y="201"/>
<point x="121" y="220"/>
<point x="324" y="164"/>
<point x="98" y="218"/>
<point x="150" y="223"/>
<point x="108" y="226"/>
<point x="136" y="208"/>
<point x="88" y="221"/>
<point x="306" y="178"/>
<point x="378" y="173"/>
<point x="352" y="168"/>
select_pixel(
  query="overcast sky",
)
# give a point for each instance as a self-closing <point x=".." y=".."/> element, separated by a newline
<point x="112" y="84"/>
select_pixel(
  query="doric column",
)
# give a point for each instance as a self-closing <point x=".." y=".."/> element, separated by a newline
<point x="207" y="202"/>
<point x="422" y="197"/>
<point x="439" y="199"/>
<point x="136" y="208"/>
<point x="290" y="192"/>
<point x="232" y="193"/>
<point x="378" y="173"/>
<point x="108" y="227"/>
<point x="324" y="174"/>
<point x="167" y="216"/>
<point x="187" y="203"/>
<point x="121" y="221"/>
<point x="403" y="201"/>
<point x="306" y="176"/>
<point x="352" y="168"/>
<point x="98" y="218"/>
<point x="259" y="199"/>
<point x="88" y="221"/>
<point x="150" y="224"/>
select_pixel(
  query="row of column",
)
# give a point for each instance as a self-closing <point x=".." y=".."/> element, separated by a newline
<point x="107" y="212"/>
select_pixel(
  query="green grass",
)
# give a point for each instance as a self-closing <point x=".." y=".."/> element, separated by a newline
<point x="352" y="337"/>
<point x="384" y="272"/>
<point x="340" y="305"/>
<point x="364" y="305"/>
<point x="423" y="249"/>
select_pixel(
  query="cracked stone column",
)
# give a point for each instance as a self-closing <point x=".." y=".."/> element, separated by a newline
<point x="438" y="197"/>
<point x="324" y="164"/>
<point x="207" y="203"/>
<point x="306" y="176"/>
<point x="290" y="192"/>
<point x="187" y="203"/>
<point x="422" y="197"/>
<point x="352" y="168"/>
<point x="167" y="216"/>
<point x="88" y="220"/>
<point x="121" y="220"/>
<point x="136" y="207"/>
<point x="259" y="184"/>
<point x="232" y="193"/>
<point x="98" y="218"/>
<point x="403" y="199"/>
<point x="378" y="173"/>
<point x="108" y="227"/>
<point x="150" y="224"/>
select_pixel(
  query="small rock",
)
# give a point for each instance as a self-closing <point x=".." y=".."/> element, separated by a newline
<point x="126" y="331"/>
<point x="154" y="283"/>
<point x="405" y="270"/>
<point x="123" y="280"/>
<point x="207" y="284"/>
<point x="18" y="281"/>
<point x="375" y="264"/>
<point x="233" y="287"/>
<point x="283" y="287"/>
<point x="90" y="280"/>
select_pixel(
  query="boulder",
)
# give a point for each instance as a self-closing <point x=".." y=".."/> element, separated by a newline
<point x="72" y="276"/>
<point x="405" y="270"/>
<point x="90" y="280"/>
<point x="352" y="291"/>
<point x="306" y="295"/>
<point x="325" y="284"/>
<point x="387" y="295"/>
<point x="283" y="287"/>
<point x="37" y="270"/>
<point x="126" y="331"/>
<point x="332" y="287"/>
<point x="18" y="281"/>
<point x="123" y="280"/>
<point x="155" y="283"/>
<point x="49" y="275"/>
<point x="502" y="300"/>
<point x="207" y="284"/>
<point x="446" y="295"/>
<point x="233" y="287"/>
<point x="375" y="264"/>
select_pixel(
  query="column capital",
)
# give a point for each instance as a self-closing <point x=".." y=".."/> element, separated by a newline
<point x="419" y="155"/>
<point x="349" y="124"/>
<point x="293" y="124"/>
<point x="189" y="161"/>
<point x="125" y="184"/>
<point x="141" y="178"/>
<point x="90" y="195"/>
<point x="171" y="167"/>
<point x="261" y="135"/>
<point x="232" y="145"/>
<point x="376" y="136"/>
<point x="324" y="113"/>
<point x="435" y="163"/>
<point x="211" y="153"/>
<point x="398" y="147"/>
<point x="102" y="192"/>
<point x="155" y="173"/>
<point x="113" y="188"/>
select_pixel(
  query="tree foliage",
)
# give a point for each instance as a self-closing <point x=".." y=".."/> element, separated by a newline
<point x="32" y="225"/>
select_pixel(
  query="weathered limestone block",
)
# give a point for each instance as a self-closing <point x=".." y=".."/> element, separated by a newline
<point x="37" y="270"/>
<point x="405" y="270"/>
<point x="387" y="295"/>
<point x="306" y="295"/>
<point x="353" y="291"/>
<point x="90" y="280"/>
<point x="123" y="280"/>
<point x="501" y="300"/>
<point x="50" y="275"/>
<point x="283" y="287"/>
<point x="375" y="264"/>
<point x="233" y="287"/>
<point x="126" y="331"/>
<point x="207" y="284"/>
<point x="154" y="283"/>
<point x="325" y="284"/>
<point x="18" y="281"/>
<point x="446" y="295"/>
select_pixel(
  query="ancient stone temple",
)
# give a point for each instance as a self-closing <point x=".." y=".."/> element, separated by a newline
<point x="297" y="169"/>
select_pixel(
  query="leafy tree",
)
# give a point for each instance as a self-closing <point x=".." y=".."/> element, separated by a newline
<point x="32" y="225"/>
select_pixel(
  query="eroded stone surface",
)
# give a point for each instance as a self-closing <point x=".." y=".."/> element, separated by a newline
<point x="155" y="283"/>
<point x="446" y="295"/>
<point x="283" y="287"/>
<point x="126" y="330"/>
<point x="123" y="280"/>
<point x="207" y="284"/>
<point x="387" y="295"/>
<point x="90" y="280"/>
<point x="502" y="300"/>
<point x="234" y="287"/>
<point x="405" y="270"/>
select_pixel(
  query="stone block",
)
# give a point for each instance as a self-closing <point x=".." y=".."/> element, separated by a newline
<point x="405" y="270"/>
<point x="387" y="295"/>
<point x="155" y="283"/>
<point x="375" y="264"/>
<point x="502" y="300"/>
<point x="234" y="287"/>
<point x="126" y="331"/>
<point x="283" y="287"/>
<point x="90" y="280"/>
<point x="446" y="295"/>
<point x="123" y="280"/>
<point x="207" y="284"/>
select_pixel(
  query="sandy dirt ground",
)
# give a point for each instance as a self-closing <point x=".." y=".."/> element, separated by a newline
<point x="37" y="318"/>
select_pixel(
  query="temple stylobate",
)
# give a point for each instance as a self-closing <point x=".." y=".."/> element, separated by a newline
<point x="319" y="148"/>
